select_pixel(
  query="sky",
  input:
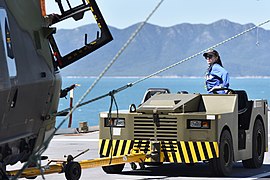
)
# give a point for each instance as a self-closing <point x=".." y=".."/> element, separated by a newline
<point x="123" y="13"/>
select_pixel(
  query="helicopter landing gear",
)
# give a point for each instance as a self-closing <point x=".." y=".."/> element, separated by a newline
<point x="3" y="174"/>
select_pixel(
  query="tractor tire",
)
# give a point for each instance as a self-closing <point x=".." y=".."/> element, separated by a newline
<point x="153" y="164"/>
<point x="258" y="147"/>
<point x="222" y="166"/>
<point x="113" y="169"/>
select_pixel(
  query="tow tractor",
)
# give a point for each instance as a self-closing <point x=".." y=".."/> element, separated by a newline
<point x="218" y="129"/>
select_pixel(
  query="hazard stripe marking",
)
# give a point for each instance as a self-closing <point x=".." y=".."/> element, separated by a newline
<point x="216" y="148"/>
<point x="177" y="153"/>
<point x="120" y="148"/>
<point x="171" y="151"/>
<point x="193" y="153"/>
<point x="189" y="153"/>
<point x="174" y="157"/>
<point x="213" y="150"/>
<point x="200" y="148"/>
<point x="183" y="146"/>
<point x="210" y="155"/>
<point x="197" y="151"/>
<point x="101" y="149"/>
<point x="131" y="144"/>
<point x="109" y="148"/>
<point x="181" y="152"/>
<point x="123" y="147"/>
<point x="205" y="150"/>
<point x="116" y="145"/>
<point x="127" y="148"/>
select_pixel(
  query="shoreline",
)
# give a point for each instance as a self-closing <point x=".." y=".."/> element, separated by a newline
<point x="168" y="77"/>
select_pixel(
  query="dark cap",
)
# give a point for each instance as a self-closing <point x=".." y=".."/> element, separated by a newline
<point x="211" y="52"/>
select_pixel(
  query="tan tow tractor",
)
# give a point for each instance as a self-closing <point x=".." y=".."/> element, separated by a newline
<point x="189" y="128"/>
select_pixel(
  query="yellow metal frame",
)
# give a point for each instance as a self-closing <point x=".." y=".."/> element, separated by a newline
<point x="92" y="163"/>
<point x="135" y="154"/>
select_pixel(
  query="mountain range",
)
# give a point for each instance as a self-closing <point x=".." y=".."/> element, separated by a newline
<point x="156" y="47"/>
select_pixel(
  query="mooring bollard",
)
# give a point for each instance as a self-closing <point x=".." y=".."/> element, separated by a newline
<point x="83" y="127"/>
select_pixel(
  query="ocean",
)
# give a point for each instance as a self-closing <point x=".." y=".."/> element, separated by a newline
<point x="257" y="88"/>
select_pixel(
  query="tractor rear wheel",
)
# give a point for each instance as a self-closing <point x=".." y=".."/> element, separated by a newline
<point x="258" y="147"/>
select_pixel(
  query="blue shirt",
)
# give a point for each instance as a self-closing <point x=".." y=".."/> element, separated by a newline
<point x="216" y="76"/>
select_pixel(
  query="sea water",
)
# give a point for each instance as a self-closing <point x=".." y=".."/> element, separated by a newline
<point x="257" y="88"/>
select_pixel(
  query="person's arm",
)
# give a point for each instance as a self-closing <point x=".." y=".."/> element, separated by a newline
<point x="225" y="79"/>
<point x="221" y="73"/>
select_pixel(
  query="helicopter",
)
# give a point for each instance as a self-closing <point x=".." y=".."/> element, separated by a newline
<point x="30" y="80"/>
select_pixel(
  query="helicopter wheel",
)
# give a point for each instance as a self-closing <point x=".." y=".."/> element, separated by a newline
<point x="73" y="171"/>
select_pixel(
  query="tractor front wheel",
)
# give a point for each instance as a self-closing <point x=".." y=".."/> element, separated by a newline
<point x="113" y="169"/>
<point x="222" y="166"/>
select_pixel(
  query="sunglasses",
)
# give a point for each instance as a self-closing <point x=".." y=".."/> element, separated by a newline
<point x="208" y="56"/>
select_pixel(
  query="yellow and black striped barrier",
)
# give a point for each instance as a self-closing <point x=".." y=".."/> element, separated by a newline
<point x="171" y="151"/>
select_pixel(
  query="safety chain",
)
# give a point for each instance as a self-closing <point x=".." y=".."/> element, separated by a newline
<point x="38" y="152"/>
<point x="113" y="100"/>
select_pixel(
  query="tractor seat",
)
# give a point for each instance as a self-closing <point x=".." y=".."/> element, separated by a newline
<point x="152" y="91"/>
<point x="242" y="101"/>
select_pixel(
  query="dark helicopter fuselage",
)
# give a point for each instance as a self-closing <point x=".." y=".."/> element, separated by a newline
<point x="29" y="83"/>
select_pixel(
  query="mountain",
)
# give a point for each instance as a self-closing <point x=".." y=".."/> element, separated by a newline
<point x="156" y="47"/>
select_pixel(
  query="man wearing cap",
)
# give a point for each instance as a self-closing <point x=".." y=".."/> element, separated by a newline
<point x="216" y="76"/>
